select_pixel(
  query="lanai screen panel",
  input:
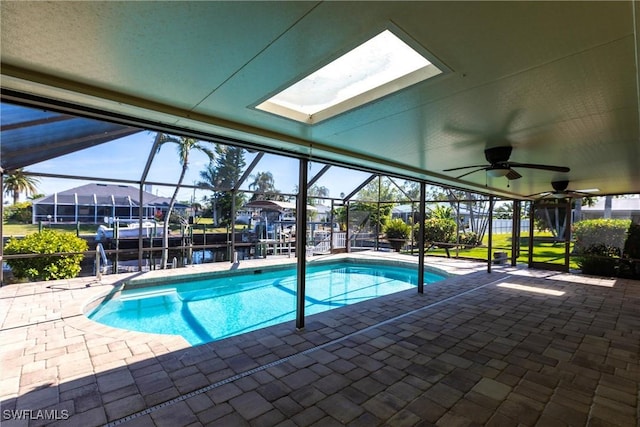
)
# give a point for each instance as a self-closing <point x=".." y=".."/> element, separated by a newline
<point x="31" y="136"/>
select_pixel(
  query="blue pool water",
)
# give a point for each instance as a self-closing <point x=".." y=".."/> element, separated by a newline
<point x="218" y="307"/>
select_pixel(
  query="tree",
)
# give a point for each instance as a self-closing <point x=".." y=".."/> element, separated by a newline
<point x="264" y="187"/>
<point x="16" y="182"/>
<point x="374" y="204"/>
<point x="382" y="190"/>
<point x="504" y="211"/>
<point x="314" y="193"/>
<point x="441" y="212"/>
<point x="221" y="176"/>
<point x="477" y="208"/>
<point x="411" y="189"/>
<point x="195" y="208"/>
<point x="578" y="203"/>
<point x="184" y="145"/>
<point x="20" y="212"/>
<point x="317" y="191"/>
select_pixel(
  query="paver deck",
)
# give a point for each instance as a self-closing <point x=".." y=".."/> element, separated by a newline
<point x="514" y="347"/>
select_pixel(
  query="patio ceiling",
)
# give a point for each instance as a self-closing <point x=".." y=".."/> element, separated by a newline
<point x="557" y="81"/>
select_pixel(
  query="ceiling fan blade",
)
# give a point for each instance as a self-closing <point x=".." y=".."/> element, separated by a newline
<point x="463" y="167"/>
<point x="546" y="195"/>
<point x="541" y="167"/>
<point x="469" y="173"/>
<point x="581" y="194"/>
<point x="513" y="175"/>
<point x="479" y="133"/>
<point x="541" y="194"/>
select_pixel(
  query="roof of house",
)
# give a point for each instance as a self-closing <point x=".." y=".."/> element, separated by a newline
<point x="630" y="204"/>
<point x="104" y="194"/>
<point x="275" y="205"/>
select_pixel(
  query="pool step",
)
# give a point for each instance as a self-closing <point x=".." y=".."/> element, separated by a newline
<point x="145" y="293"/>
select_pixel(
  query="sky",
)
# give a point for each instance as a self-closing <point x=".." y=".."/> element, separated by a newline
<point x="126" y="157"/>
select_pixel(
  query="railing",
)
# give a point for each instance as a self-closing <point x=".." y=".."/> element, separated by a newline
<point x="328" y="241"/>
<point x="101" y="256"/>
<point x="340" y="240"/>
<point x="323" y="247"/>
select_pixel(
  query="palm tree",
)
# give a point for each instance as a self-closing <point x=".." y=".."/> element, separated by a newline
<point x="185" y="146"/>
<point x="314" y="192"/>
<point x="264" y="186"/>
<point x="221" y="177"/>
<point x="16" y="182"/>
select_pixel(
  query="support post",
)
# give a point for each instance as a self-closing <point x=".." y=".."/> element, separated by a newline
<point x="515" y="232"/>
<point x="1" y="230"/>
<point x="490" y="240"/>
<point x="233" y="226"/>
<point x="331" y="231"/>
<point x="567" y="235"/>
<point x="140" y="223"/>
<point x="531" y="225"/>
<point x="301" y="242"/>
<point x="377" y="228"/>
<point x="421" y="217"/>
<point x="347" y="233"/>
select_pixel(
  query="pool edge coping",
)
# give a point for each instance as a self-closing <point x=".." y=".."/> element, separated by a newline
<point x="154" y="279"/>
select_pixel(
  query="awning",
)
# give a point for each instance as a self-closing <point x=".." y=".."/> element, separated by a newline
<point x="274" y="205"/>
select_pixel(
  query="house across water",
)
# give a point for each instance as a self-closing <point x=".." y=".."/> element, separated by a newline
<point x="100" y="203"/>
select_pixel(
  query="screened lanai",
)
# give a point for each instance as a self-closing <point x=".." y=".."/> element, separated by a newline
<point x="251" y="194"/>
<point x="507" y="112"/>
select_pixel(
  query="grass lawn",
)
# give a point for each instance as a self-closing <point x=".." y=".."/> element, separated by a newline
<point x="543" y="251"/>
<point x="10" y="230"/>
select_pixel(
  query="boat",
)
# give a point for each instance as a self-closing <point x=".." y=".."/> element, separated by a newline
<point x="130" y="230"/>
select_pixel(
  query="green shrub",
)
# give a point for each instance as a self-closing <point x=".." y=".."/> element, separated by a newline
<point x="470" y="238"/>
<point x="46" y="267"/>
<point x="630" y="265"/>
<point x="599" y="260"/>
<point x="440" y="230"/>
<point x="608" y="233"/>
<point x="600" y="244"/>
<point x="20" y="212"/>
<point x="397" y="232"/>
<point x="397" y="229"/>
<point x="632" y="245"/>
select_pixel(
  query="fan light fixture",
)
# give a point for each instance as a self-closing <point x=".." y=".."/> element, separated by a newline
<point x="498" y="172"/>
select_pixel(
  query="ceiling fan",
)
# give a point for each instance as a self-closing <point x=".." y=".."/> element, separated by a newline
<point x="560" y="192"/>
<point x="499" y="164"/>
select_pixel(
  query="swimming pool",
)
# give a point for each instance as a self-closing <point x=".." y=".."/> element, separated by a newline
<point x="216" y="307"/>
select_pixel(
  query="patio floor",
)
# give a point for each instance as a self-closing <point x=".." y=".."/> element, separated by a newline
<point x="514" y="347"/>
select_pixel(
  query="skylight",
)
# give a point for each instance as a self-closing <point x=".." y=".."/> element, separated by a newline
<point x="378" y="67"/>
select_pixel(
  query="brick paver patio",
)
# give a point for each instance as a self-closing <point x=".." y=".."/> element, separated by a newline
<point x="514" y="347"/>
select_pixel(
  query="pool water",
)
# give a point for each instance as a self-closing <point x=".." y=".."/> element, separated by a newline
<point x="208" y="310"/>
